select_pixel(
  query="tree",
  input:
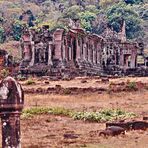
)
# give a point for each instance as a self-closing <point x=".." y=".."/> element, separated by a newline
<point x="2" y="35"/>
<point x="105" y="3"/>
<point x="133" y="1"/>
<point x="120" y="12"/>
<point x="17" y="28"/>
<point x="72" y="12"/>
<point x="86" y="19"/>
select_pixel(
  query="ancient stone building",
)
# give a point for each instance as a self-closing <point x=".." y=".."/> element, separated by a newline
<point x="6" y="63"/>
<point x="5" y="59"/>
<point x="76" y="52"/>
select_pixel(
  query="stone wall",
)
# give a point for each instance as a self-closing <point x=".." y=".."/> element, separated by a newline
<point x="75" y="52"/>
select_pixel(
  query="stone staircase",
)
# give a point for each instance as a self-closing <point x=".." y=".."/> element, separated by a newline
<point x="66" y="69"/>
<point x="87" y="68"/>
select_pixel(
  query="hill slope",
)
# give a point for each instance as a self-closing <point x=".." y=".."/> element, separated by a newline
<point x="93" y="14"/>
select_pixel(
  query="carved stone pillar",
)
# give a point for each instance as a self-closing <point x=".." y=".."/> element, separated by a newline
<point x="78" y="50"/>
<point x="70" y="53"/>
<point x="58" y="36"/>
<point x="33" y="54"/>
<point x="11" y="105"/>
<point x="27" y="52"/>
<point x="50" y="53"/>
<point x="94" y="56"/>
<point x="89" y="53"/>
<point x="64" y="52"/>
<point x="133" y="58"/>
<point x="84" y="51"/>
<point x="121" y="57"/>
<point x="71" y="49"/>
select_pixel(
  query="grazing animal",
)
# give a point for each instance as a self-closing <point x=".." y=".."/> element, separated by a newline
<point x="112" y="131"/>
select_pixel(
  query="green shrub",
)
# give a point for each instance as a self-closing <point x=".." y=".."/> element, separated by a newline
<point x="100" y="116"/>
<point x="30" y="81"/>
<point x="60" y="111"/>
<point x="4" y="73"/>
<point x="36" y="111"/>
<point x="17" y="29"/>
<point x="66" y="91"/>
<point x="131" y="86"/>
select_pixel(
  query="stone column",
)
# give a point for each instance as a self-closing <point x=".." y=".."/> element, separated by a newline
<point x="94" y="56"/>
<point x="11" y="130"/>
<point x="133" y="58"/>
<point x="89" y="53"/>
<point x="84" y="51"/>
<point x="127" y="60"/>
<point x="33" y="54"/>
<point x="70" y="53"/>
<point x="58" y="37"/>
<point x="11" y="106"/>
<point x="78" y="50"/>
<point x="121" y="57"/>
<point x="99" y="52"/>
<point x="66" y="48"/>
<point x="64" y="52"/>
<point x="81" y="50"/>
<point x="50" y="53"/>
<point x="71" y="49"/>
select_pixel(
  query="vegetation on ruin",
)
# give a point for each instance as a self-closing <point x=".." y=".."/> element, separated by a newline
<point x="98" y="116"/>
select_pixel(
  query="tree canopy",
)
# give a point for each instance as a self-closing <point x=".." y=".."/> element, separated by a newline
<point x="94" y="15"/>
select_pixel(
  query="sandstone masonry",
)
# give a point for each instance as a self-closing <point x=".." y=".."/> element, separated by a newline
<point x="76" y="52"/>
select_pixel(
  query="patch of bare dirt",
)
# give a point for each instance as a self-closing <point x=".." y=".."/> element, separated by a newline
<point x="44" y="131"/>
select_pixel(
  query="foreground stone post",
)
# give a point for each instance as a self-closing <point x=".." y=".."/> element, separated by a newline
<point x="11" y="105"/>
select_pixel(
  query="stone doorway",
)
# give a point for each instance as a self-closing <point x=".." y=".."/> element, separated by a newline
<point x="127" y="61"/>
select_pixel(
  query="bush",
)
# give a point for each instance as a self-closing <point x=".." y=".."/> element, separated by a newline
<point x="30" y="81"/>
<point x="4" y="73"/>
<point x="132" y="86"/>
<point x="100" y="116"/>
<point x="17" y="28"/>
<point x="66" y="91"/>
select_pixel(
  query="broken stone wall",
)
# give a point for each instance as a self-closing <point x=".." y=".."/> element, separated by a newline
<point x="76" y="51"/>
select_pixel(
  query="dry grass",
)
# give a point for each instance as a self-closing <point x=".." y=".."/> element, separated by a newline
<point x="48" y="130"/>
<point x="96" y="83"/>
<point x="131" y="101"/>
<point x="52" y="128"/>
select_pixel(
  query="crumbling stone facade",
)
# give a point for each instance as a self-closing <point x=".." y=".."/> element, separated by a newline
<point x="75" y="52"/>
<point x="6" y="60"/>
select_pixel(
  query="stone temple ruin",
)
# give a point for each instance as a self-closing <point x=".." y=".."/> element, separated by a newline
<point x="6" y="60"/>
<point x="77" y="53"/>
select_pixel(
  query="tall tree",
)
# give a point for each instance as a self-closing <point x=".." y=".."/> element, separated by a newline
<point x="119" y="12"/>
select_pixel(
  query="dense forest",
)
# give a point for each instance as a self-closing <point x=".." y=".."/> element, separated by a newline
<point x="94" y="16"/>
